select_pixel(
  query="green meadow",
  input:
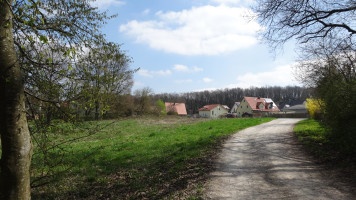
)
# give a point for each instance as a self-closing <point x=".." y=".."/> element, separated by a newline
<point x="314" y="135"/>
<point x="138" y="158"/>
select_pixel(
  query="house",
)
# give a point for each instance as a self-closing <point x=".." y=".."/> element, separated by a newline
<point x="256" y="106"/>
<point x="290" y="103"/>
<point x="179" y="108"/>
<point x="234" y="108"/>
<point x="298" y="108"/>
<point x="212" y="111"/>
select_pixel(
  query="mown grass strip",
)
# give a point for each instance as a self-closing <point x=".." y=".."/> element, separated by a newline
<point x="135" y="158"/>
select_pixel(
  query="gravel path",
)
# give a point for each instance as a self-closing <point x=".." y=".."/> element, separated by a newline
<point x="266" y="162"/>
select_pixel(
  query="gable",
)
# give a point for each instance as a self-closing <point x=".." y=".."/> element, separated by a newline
<point x="261" y="104"/>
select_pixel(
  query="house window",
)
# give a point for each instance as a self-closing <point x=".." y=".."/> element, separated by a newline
<point x="212" y="112"/>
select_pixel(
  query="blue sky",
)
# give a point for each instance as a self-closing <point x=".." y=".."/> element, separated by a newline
<point x="194" y="45"/>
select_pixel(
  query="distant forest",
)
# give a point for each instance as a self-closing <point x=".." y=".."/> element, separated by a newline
<point x="196" y="100"/>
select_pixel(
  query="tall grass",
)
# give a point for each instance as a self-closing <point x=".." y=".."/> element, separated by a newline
<point x="133" y="158"/>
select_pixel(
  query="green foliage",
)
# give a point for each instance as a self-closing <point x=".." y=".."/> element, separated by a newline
<point x="161" y="107"/>
<point x="313" y="134"/>
<point x="311" y="129"/>
<point x="134" y="158"/>
<point x="340" y="110"/>
<point x="158" y="108"/>
<point x="332" y="74"/>
<point x="51" y="38"/>
<point x="322" y="141"/>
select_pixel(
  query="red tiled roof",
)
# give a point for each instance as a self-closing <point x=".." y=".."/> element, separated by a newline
<point x="208" y="107"/>
<point x="177" y="107"/>
<point x="254" y="102"/>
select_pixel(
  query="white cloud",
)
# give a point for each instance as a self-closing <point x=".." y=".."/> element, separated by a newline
<point x="105" y="4"/>
<point x="207" y="80"/>
<point x="206" y="30"/>
<point x="163" y="72"/>
<point x="146" y="12"/>
<point x="151" y="74"/>
<point x="183" y="68"/>
<point x="280" y="76"/>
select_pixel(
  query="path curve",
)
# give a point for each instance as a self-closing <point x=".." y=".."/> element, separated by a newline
<point x="266" y="162"/>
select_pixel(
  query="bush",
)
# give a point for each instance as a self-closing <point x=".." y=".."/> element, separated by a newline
<point x="172" y="113"/>
<point x="314" y="107"/>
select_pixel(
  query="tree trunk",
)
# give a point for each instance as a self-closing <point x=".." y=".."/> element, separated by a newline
<point x="96" y="110"/>
<point x="15" y="137"/>
<point x="49" y="114"/>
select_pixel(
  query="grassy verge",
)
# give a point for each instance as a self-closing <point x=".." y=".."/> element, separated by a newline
<point x="314" y="135"/>
<point x="133" y="158"/>
<point x="326" y="149"/>
<point x="319" y="140"/>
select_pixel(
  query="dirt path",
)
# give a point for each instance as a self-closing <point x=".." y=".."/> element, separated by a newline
<point x="266" y="162"/>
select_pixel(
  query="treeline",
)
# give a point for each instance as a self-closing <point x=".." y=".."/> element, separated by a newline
<point x="99" y="105"/>
<point x="196" y="100"/>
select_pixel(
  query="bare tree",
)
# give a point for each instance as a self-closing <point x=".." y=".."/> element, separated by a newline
<point x="330" y="57"/>
<point x="143" y="100"/>
<point x="103" y="73"/>
<point x="305" y="19"/>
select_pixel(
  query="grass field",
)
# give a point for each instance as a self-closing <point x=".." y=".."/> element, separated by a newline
<point x="145" y="158"/>
<point x="314" y="135"/>
<point x="324" y="146"/>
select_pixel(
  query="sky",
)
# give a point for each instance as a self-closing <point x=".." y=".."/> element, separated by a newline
<point x="194" y="45"/>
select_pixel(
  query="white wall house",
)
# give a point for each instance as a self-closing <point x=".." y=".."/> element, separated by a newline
<point x="256" y="106"/>
<point x="234" y="108"/>
<point x="212" y="111"/>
